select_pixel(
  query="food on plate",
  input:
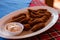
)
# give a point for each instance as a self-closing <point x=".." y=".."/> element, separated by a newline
<point x="48" y="14"/>
<point x="22" y="14"/>
<point x="38" y="26"/>
<point x="34" y="14"/>
<point x="27" y="26"/>
<point x="33" y="20"/>
<point x="18" y="19"/>
<point x="42" y="10"/>
<point x="13" y="28"/>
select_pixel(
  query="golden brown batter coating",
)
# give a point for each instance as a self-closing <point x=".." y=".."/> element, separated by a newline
<point x="42" y="10"/>
<point x="35" y="21"/>
<point x="43" y="19"/>
<point x="48" y="14"/>
<point x="18" y="19"/>
<point x="38" y="20"/>
<point x="27" y="27"/>
<point x="38" y="26"/>
<point x="21" y="14"/>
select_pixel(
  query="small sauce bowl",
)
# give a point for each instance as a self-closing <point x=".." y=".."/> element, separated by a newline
<point x="13" y="28"/>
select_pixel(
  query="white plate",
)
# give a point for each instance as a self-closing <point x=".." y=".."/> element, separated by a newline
<point x="51" y="23"/>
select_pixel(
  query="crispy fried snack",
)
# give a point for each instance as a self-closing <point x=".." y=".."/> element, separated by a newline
<point x="34" y="19"/>
<point x="48" y="14"/>
<point x="42" y="10"/>
<point x="34" y="14"/>
<point x="43" y="19"/>
<point x="22" y="14"/>
<point x="24" y="21"/>
<point x="18" y="19"/>
<point x="27" y="16"/>
<point x="38" y="20"/>
<point x="37" y="26"/>
<point x="33" y="22"/>
<point x="27" y="27"/>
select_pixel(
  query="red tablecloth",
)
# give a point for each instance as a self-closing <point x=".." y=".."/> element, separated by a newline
<point x="51" y="34"/>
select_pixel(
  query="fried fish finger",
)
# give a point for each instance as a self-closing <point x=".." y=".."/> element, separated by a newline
<point x="21" y="14"/>
<point x="48" y="14"/>
<point x="27" y="27"/>
<point x="37" y="26"/>
<point x="18" y="19"/>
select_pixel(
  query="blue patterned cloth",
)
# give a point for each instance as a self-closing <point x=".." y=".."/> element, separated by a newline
<point x="7" y="6"/>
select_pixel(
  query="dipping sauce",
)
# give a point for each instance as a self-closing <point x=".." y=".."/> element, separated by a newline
<point x="13" y="28"/>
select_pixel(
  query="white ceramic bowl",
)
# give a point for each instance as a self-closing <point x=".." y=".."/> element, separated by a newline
<point x="10" y="33"/>
<point x="48" y="26"/>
